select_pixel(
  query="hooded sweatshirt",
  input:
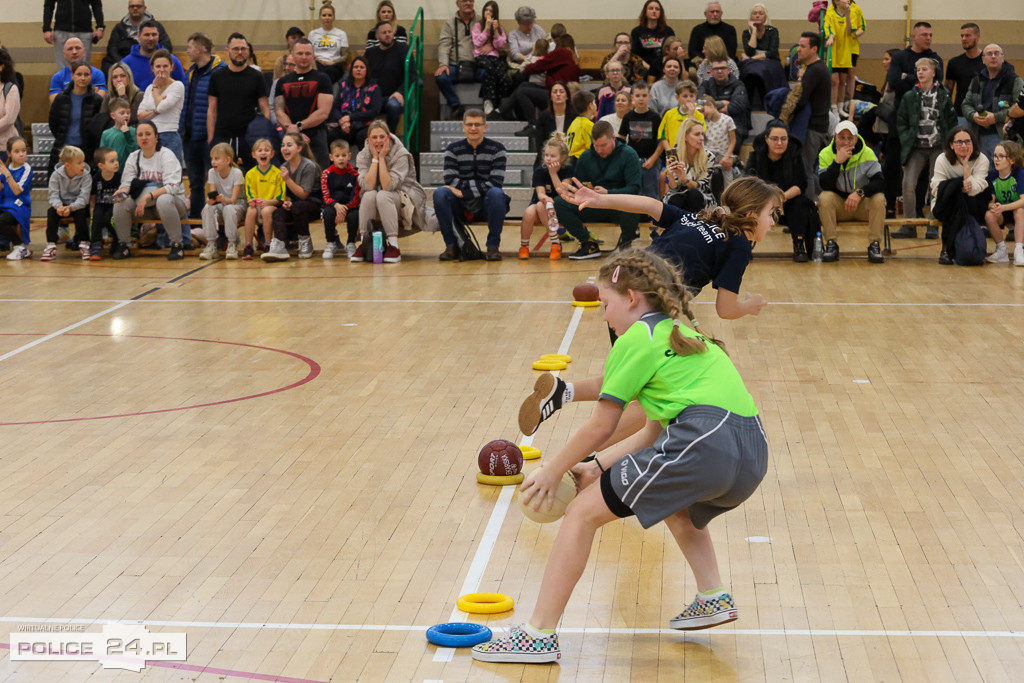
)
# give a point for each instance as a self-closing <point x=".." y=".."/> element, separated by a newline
<point x="65" y="191"/>
<point x="861" y="171"/>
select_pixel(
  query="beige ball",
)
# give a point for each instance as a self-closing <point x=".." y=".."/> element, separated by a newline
<point x="564" y="494"/>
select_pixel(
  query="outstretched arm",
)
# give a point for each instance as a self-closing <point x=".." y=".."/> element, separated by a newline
<point x="575" y="192"/>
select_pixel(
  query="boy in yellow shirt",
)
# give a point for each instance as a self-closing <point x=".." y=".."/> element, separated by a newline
<point x="672" y="121"/>
<point x="577" y="136"/>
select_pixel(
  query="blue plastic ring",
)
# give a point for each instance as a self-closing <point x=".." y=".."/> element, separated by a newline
<point x="458" y="634"/>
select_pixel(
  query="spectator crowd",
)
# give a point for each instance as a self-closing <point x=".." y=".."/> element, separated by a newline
<point x="264" y="158"/>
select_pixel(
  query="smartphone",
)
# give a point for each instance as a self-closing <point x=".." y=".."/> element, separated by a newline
<point x="211" y="195"/>
<point x="672" y="155"/>
<point x="701" y="102"/>
<point x="120" y="196"/>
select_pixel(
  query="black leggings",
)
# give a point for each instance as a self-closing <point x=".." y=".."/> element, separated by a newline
<point x="10" y="228"/>
<point x="302" y="212"/>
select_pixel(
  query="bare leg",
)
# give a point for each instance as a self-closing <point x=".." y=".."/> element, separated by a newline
<point x="586" y="389"/>
<point x="697" y="549"/>
<point x="268" y="223"/>
<point x="851" y="83"/>
<point x="569" y="556"/>
<point x="249" y="229"/>
<point x="529" y="221"/>
<point x="994" y="221"/>
<point x="835" y="88"/>
<point x="1018" y="225"/>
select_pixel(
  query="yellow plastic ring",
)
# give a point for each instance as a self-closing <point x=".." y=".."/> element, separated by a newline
<point x="586" y="304"/>
<point x="499" y="481"/>
<point x="530" y="452"/>
<point x="550" y="365"/>
<point x="485" y="603"/>
<point x="565" y="358"/>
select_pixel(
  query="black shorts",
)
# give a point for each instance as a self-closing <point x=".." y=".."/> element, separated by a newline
<point x="840" y="69"/>
<point x="854" y="58"/>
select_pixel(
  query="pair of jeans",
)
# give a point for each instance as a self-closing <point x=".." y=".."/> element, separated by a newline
<point x="446" y="84"/>
<point x="197" y="166"/>
<point x="494" y="209"/>
<point x="393" y="110"/>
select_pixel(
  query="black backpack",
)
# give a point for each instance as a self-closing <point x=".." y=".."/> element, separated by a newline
<point x="969" y="244"/>
<point x="469" y="247"/>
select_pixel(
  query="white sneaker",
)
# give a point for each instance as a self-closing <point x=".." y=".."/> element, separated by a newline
<point x="19" y="252"/>
<point x="999" y="255"/>
<point x="49" y="253"/>
<point x="488" y="107"/>
<point x="350" y="250"/>
<point x="84" y="250"/>
<point x="329" y="250"/>
<point x="277" y="251"/>
<point x="231" y="254"/>
<point x="305" y="247"/>
<point x="209" y="252"/>
<point x="1018" y="254"/>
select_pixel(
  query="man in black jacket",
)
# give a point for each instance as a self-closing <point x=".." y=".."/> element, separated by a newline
<point x="73" y="18"/>
<point x="730" y="96"/>
<point x="125" y="34"/>
<point x="387" y="67"/>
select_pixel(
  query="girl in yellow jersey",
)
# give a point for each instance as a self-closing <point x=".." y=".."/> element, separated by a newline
<point x="264" y="192"/>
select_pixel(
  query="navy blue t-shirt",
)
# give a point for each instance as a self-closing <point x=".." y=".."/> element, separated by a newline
<point x="542" y="177"/>
<point x="705" y="252"/>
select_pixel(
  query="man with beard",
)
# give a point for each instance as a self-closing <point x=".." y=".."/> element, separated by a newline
<point x="125" y="35"/>
<point x="303" y="101"/>
<point x="387" y="67"/>
<point x="963" y="68"/>
<point x="234" y="95"/>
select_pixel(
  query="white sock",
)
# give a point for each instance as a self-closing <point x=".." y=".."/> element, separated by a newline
<point x="393" y="240"/>
<point x="567" y="394"/>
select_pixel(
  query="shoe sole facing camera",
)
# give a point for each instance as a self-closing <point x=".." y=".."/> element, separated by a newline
<point x="529" y="412"/>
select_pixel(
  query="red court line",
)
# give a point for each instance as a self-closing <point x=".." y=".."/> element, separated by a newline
<point x="215" y="671"/>
<point x="314" y="372"/>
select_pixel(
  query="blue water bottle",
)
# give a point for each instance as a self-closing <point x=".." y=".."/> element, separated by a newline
<point x="378" y="247"/>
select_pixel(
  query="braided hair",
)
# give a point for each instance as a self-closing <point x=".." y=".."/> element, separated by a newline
<point x="662" y="286"/>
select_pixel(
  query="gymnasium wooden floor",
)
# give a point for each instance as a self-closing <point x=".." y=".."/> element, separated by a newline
<point x="278" y="461"/>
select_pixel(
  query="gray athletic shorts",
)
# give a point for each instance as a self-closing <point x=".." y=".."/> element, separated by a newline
<point x="707" y="461"/>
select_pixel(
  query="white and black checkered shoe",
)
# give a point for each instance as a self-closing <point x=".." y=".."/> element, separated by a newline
<point x="518" y="646"/>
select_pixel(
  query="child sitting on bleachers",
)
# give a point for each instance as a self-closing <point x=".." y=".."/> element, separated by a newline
<point x="68" y="194"/>
<point x="223" y="201"/>
<point x="339" y="185"/>
<point x="105" y="182"/>
<point x="16" y="199"/>
<point x="547" y="178"/>
<point x="264" y="192"/>
<point x="120" y="137"/>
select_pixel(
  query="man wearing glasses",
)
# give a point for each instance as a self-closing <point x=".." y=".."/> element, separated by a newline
<point x="730" y="96"/>
<point x="474" y="173"/>
<point x="125" y="34"/>
<point x="989" y="97"/>
<point x="234" y="96"/>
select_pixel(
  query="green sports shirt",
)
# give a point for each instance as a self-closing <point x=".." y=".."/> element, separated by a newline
<point x="643" y="366"/>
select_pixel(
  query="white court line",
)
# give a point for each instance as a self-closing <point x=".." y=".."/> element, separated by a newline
<point x="50" y="336"/>
<point x="490" y="537"/>
<point x="760" y="632"/>
<point x="894" y="304"/>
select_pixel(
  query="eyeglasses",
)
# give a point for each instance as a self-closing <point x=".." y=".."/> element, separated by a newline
<point x="778" y="139"/>
<point x="961" y="142"/>
<point x="719" y="68"/>
<point x="473" y="125"/>
<point x="1000" y="156"/>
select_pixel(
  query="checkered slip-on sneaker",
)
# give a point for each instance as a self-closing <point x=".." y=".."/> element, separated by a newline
<point x="706" y="612"/>
<point x="518" y="646"/>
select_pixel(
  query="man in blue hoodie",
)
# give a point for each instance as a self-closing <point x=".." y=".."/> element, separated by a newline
<point x="610" y="167"/>
<point x="138" y="59"/>
<point x="193" y="116"/>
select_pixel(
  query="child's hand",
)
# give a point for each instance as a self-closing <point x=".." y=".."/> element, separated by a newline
<point x="539" y="491"/>
<point x="754" y="303"/>
<point x="210" y="202"/>
<point x="342" y="211"/>
<point x="253" y="203"/>
<point x="259" y="201"/>
<point x="284" y="171"/>
<point x="287" y="204"/>
<point x="648" y="164"/>
<point x="64" y="211"/>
